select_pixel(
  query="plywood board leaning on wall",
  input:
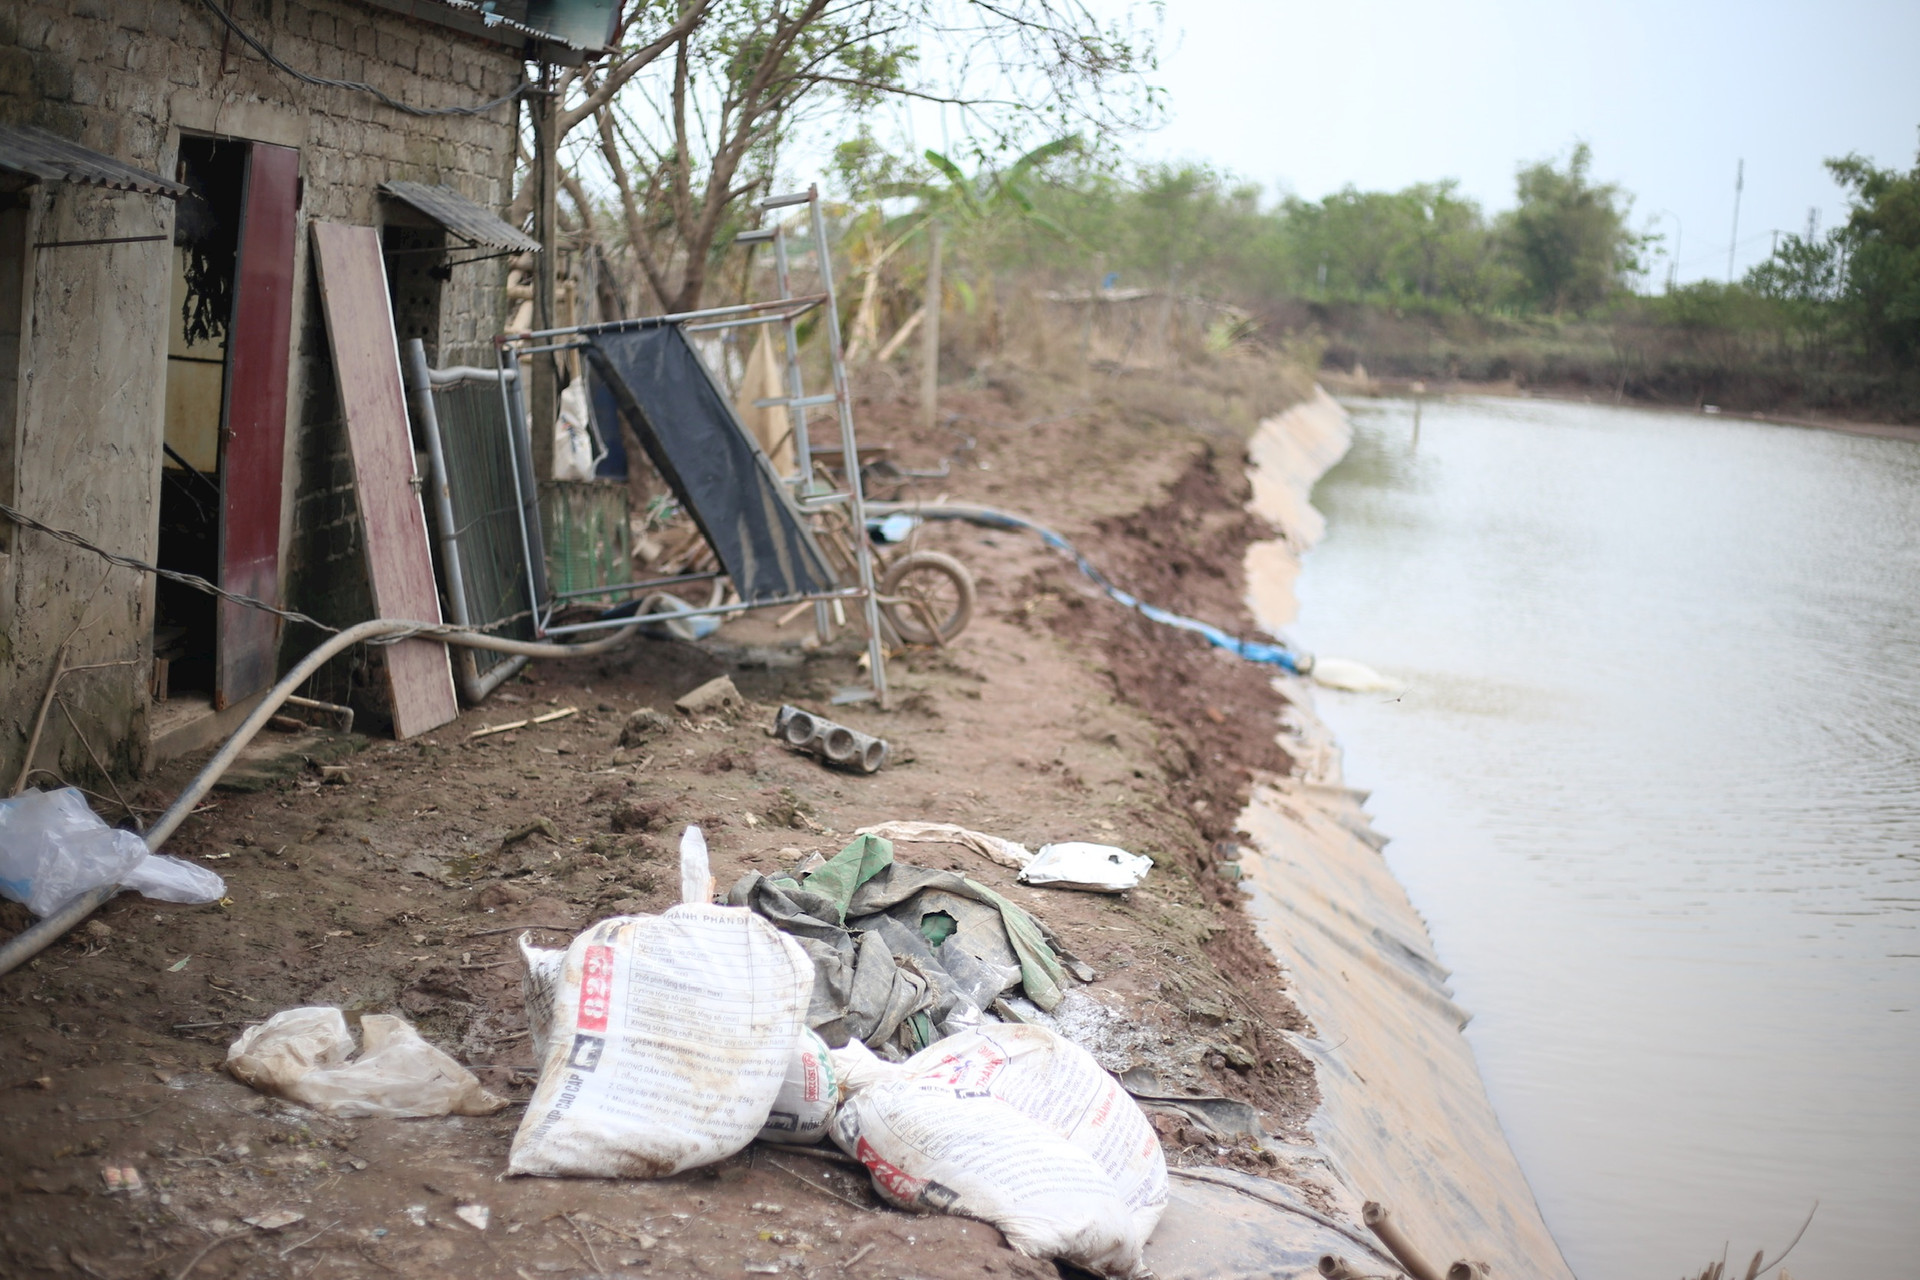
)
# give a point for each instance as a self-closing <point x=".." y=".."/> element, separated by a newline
<point x="366" y="365"/>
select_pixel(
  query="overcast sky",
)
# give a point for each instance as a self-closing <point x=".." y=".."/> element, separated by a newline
<point x="1670" y="94"/>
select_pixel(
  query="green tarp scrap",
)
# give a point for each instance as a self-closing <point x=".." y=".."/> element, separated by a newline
<point x="901" y="953"/>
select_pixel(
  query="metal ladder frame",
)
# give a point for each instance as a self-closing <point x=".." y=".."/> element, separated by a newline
<point x="785" y="310"/>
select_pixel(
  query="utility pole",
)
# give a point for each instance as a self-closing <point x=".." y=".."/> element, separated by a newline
<point x="544" y="391"/>
<point x="1673" y="257"/>
<point x="930" y="332"/>
<point x="1739" y="182"/>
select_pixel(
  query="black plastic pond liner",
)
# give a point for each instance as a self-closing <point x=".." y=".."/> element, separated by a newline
<point x="713" y="464"/>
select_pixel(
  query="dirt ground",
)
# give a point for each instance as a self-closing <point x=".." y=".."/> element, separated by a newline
<point x="391" y="885"/>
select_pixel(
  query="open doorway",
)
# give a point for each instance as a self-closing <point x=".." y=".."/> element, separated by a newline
<point x="229" y="338"/>
<point x="206" y="256"/>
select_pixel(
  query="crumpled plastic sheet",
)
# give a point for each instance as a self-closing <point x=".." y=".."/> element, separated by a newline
<point x="53" y="848"/>
<point x="307" y="1056"/>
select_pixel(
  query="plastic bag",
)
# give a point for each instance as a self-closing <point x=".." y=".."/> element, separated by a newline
<point x="53" y="848"/>
<point x="669" y="1039"/>
<point x="307" y="1055"/>
<point x="1018" y="1127"/>
<point x="577" y="451"/>
<point x="808" y="1096"/>
<point x="1097" y="868"/>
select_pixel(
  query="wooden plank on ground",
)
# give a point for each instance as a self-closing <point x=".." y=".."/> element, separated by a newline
<point x="366" y="369"/>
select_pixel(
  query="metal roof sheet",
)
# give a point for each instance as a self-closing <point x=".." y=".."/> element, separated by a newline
<point x="470" y="221"/>
<point x="48" y="157"/>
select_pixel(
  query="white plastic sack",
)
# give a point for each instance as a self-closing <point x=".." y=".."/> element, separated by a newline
<point x="53" y="848"/>
<point x="1018" y="1127"/>
<point x="539" y="988"/>
<point x="669" y="1040"/>
<point x="1097" y="868"/>
<point x="307" y="1055"/>
<point x="808" y="1096"/>
<point x="576" y="450"/>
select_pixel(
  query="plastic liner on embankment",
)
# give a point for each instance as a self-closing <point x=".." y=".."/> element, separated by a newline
<point x="1404" y="1118"/>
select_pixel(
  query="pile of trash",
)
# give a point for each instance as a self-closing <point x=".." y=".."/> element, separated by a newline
<point x="902" y="955"/>
<point x="666" y="1042"/>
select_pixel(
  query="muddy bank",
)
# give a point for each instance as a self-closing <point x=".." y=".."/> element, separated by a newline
<point x="400" y="883"/>
<point x="399" y="880"/>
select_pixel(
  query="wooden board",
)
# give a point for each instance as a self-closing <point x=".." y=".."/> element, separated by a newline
<point x="259" y="344"/>
<point x="366" y="368"/>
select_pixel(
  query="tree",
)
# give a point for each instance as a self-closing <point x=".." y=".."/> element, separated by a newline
<point x="1569" y="239"/>
<point x="1803" y="279"/>
<point x="1882" y="244"/>
<point x="705" y="127"/>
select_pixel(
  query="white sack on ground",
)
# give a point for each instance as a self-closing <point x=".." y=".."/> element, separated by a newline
<point x="540" y="987"/>
<point x="53" y="848"/>
<point x="307" y="1056"/>
<point x="1097" y="868"/>
<point x="670" y="1038"/>
<point x="1018" y="1127"/>
<point x="808" y="1097"/>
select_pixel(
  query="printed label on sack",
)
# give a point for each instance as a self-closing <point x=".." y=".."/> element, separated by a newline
<point x="810" y="1078"/>
<point x="900" y="1185"/>
<point x="596" y="988"/>
<point x="586" y="1052"/>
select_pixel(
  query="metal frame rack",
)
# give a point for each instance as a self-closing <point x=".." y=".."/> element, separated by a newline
<point x="785" y="310"/>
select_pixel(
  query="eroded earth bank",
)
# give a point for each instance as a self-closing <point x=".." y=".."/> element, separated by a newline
<point x="398" y="878"/>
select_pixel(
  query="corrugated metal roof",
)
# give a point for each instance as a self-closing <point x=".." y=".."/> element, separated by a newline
<point x="470" y="221"/>
<point x="39" y="154"/>
<point x="584" y="26"/>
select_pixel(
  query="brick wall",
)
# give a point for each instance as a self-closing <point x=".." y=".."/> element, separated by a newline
<point x="83" y="431"/>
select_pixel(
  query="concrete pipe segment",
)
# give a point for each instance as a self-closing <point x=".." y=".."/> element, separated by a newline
<point x="837" y="745"/>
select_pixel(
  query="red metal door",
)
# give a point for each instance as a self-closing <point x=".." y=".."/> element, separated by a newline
<point x="254" y="429"/>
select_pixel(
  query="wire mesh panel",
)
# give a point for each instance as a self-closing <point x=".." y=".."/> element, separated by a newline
<point x="584" y="524"/>
<point x="479" y="457"/>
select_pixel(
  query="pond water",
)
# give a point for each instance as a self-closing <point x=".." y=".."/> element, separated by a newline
<point x="1654" y="781"/>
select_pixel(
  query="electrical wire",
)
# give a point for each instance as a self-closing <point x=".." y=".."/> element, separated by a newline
<point x="324" y="82"/>
<point x="198" y="583"/>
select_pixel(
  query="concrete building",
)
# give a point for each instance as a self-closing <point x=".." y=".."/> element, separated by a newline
<point x="165" y="387"/>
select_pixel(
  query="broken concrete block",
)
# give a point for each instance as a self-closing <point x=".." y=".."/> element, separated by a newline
<point x="716" y="697"/>
<point x="645" y="725"/>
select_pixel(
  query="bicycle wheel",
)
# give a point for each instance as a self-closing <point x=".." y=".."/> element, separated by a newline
<point x="927" y="597"/>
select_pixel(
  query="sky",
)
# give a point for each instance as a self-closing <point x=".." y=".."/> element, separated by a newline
<point x="1307" y="98"/>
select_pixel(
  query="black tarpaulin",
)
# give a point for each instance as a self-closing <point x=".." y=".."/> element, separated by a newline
<point x="715" y="467"/>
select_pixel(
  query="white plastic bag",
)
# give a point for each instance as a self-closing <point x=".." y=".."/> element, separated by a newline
<point x="306" y="1055"/>
<point x="808" y="1096"/>
<point x="669" y="1040"/>
<point x="53" y="848"/>
<point x="1018" y="1127"/>
<point x="1097" y="868"/>
<point x="576" y="449"/>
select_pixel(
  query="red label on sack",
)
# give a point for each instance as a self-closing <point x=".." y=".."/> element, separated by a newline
<point x="596" y="989"/>
<point x="901" y="1186"/>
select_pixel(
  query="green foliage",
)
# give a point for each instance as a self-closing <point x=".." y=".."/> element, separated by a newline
<point x="1882" y="242"/>
<point x="1568" y="238"/>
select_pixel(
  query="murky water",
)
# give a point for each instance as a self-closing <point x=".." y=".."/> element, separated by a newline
<point x="1655" y="784"/>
